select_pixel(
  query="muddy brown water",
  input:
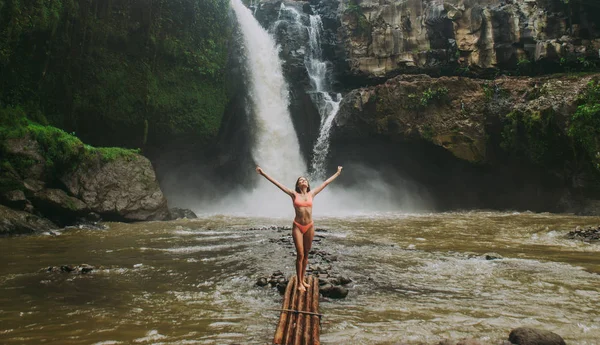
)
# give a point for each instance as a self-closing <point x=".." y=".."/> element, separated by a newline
<point x="416" y="278"/>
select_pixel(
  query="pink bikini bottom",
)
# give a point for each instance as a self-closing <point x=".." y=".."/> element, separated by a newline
<point x="304" y="228"/>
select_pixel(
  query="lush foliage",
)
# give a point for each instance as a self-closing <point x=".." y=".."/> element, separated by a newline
<point x="585" y="124"/>
<point x="60" y="151"/>
<point x="540" y="137"/>
<point x="534" y="135"/>
<point x="117" y="72"/>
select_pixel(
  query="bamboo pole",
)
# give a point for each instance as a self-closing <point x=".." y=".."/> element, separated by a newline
<point x="291" y="323"/>
<point x="300" y="317"/>
<point x="315" y="326"/>
<point x="307" y="319"/>
<point x="281" y="327"/>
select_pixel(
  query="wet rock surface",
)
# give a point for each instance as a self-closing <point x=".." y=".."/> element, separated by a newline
<point x="178" y="213"/>
<point x="125" y="189"/>
<point x="72" y="269"/>
<point x="532" y="336"/>
<point x="331" y="283"/>
<point x="463" y="122"/>
<point x="13" y="222"/>
<point x="590" y="234"/>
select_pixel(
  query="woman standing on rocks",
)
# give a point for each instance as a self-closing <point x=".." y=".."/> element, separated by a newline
<point x="303" y="230"/>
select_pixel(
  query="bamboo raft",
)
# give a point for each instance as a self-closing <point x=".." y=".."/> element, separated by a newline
<point x="299" y="322"/>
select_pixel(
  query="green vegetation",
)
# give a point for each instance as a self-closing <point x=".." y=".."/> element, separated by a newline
<point x="150" y="71"/>
<point x="573" y="64"/>
<point x="427" y="132"/>
<point x="541" y="138"/>
<point x="488" y="92"/>
<point x="584" y="127"/>
<point x="524" y="67"/>
<point x="534" y="135"/>
<point x="363" y="27"/>
<point x="427" y="98"/>
<point x="61" y="152"/>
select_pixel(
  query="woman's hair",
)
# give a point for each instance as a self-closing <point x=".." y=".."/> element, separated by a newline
<point x="298" y="188"/>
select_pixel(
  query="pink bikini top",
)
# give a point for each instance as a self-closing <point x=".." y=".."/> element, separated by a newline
<point x="302" y="203"/>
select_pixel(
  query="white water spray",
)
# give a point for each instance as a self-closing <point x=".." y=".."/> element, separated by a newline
<point x="275" y="146"/>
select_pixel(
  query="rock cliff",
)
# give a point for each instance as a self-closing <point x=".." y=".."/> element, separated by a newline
<point x="382" y="38"/>
<point x="480" y="140"/>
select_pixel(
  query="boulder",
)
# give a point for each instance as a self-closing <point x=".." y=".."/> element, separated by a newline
<point x="28" y="150"/>
<point x="532" y="336"/>
<point x="59" y="206"/>
<point x="14" y="222"/>
<point x="177" y="213"/>
<point x="262" y="281"/>
<point x="331" y="291"/>
<point x="122" y="189"/>
<point x="15" y="199"/>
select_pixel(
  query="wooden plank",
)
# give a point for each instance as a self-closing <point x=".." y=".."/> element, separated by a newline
<point x="301" y="317"/>
<point x="307" y="334"/>
<point x="287" y="298"/>
<point x="291" y="323"/>
<point x="315" y="323"/>
<point x="299" y="321"/>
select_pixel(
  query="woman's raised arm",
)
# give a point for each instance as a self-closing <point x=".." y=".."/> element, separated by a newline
<point x="285" y="189"/>
<point x="328" y="181"/>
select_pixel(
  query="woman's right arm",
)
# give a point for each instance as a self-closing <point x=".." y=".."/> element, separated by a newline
<point x="273" y="181"/>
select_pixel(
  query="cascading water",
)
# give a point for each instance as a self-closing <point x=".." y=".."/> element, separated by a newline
<point x="320" y="80"/>
<point x="275" y="147"/>
<point x="327" y="106"/>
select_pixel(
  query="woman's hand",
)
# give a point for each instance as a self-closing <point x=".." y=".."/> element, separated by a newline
<point x="259" y="170"/>
<point x="339" y="170"/>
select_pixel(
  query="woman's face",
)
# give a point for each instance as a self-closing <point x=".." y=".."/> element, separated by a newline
<point x="302" y="182"/>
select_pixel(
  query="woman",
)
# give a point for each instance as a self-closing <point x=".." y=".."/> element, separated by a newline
<point x="303" y="229"/>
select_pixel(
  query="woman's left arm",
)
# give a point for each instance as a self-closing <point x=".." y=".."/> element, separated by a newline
<point x="328" y="181"/>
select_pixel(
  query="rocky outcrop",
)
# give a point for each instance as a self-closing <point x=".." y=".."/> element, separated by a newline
<point x="590" y="234"/>
<point x="451" y="112"/>
<point x="121" y="189"/>
<point x="532" y="336"/>
<point x="90" y="183"/>
<point x="383" y="38"/>
<point x="13" y="222"/>
<point x="512" y="133"/>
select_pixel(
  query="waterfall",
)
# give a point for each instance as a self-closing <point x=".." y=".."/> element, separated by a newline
<point x="320" y="80"/>
<point x="276" y="147"/>
<point x="327" y="105"/>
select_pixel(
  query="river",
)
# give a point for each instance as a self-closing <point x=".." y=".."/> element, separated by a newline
<point x="416" y="278"/>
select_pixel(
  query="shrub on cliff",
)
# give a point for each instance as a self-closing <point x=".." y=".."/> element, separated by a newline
<point x="585" y="124"/>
